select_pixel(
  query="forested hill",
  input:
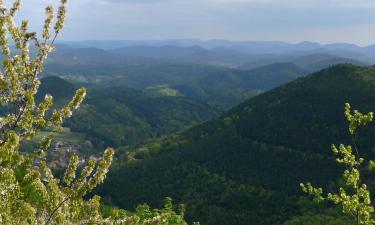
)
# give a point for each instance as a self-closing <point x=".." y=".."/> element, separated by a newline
<point x="262" y="78"/>
<point x="308" y="113"/>
<point x="246" y="166"/>
<point x="61" y="90"/>
<point x="118" y="116"/>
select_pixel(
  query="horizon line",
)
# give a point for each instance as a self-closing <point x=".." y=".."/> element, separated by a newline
<point x="212" y="40"/>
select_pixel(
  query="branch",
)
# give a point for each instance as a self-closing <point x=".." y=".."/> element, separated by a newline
<point x="55" y="210"/>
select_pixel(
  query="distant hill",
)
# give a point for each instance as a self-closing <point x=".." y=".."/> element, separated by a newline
<point x="216" y="85"/>
<point x="219" y="56"/>
<point x="315" y="62"/>
<point x="311" y="61"/>
<point x="261" y="78"/>
<point x="233" y="87"/>
<point x="119" y="116"/>
<point x="61" y="90"/>
<point x="245" y="167"/>
<point x="346" y="50"/>
<point x="253" y="47"/>
<point x="245" y="55"/>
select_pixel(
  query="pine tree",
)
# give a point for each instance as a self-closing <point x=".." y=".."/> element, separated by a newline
<point x="29" y="191"/>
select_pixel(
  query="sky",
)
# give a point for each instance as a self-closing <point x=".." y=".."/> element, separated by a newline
<point x="324" y="21"/>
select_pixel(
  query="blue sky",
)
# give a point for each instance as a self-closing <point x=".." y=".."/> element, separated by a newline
<point x="323" y="21"/>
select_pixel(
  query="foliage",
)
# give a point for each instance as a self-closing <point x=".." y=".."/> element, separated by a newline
<point x="29" y="191"/>
<point x="318" y="220"/>
<point x="210" y="197"/>
<point x="354" y="196"/>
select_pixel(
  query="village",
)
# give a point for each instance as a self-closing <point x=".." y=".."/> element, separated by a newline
<point x="62" y="151"/>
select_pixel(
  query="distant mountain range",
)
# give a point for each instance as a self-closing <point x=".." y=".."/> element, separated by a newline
<point x="246" y="47"/>
<point x="239" y="55"/>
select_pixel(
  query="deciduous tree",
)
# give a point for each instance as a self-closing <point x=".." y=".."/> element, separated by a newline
<point x="29" y="191"/>
<point x="354" y="196"/>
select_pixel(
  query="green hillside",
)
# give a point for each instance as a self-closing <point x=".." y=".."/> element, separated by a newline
<point x="310" y="61"/>
<point x="246" y="166"/>
<point x="119" y="116"/>
<point x="61" y="90"/>
<point x="262" y="78"/>
<point x="315" y="62"/>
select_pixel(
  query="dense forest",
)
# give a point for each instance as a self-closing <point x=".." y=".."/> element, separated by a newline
<point x="245" y="167"/>
<point x="122" y="110"/>
<point x="120" y="116"/>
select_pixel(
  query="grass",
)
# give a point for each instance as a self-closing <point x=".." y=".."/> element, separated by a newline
<point x="163" y="90"/>
<point x="65" y="135"/>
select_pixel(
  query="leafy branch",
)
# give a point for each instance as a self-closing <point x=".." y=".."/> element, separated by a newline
<point x="354" y="197"/>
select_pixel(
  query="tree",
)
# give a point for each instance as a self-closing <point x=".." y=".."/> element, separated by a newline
<point x="29" y="191"/>
<point x="353" y="196"/>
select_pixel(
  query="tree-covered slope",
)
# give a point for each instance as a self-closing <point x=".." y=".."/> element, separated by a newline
<point x="318" y="61"/>
<point x="60" y="89"/>
<point x="246" y="166"/>
<point x="119" y="116"/>
<point x="229" y="88"/>
<point x="262" y="78"/>
<point x="307" y="114"/>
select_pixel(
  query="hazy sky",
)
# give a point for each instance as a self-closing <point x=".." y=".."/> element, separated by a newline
<point x="285" y="20"/>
